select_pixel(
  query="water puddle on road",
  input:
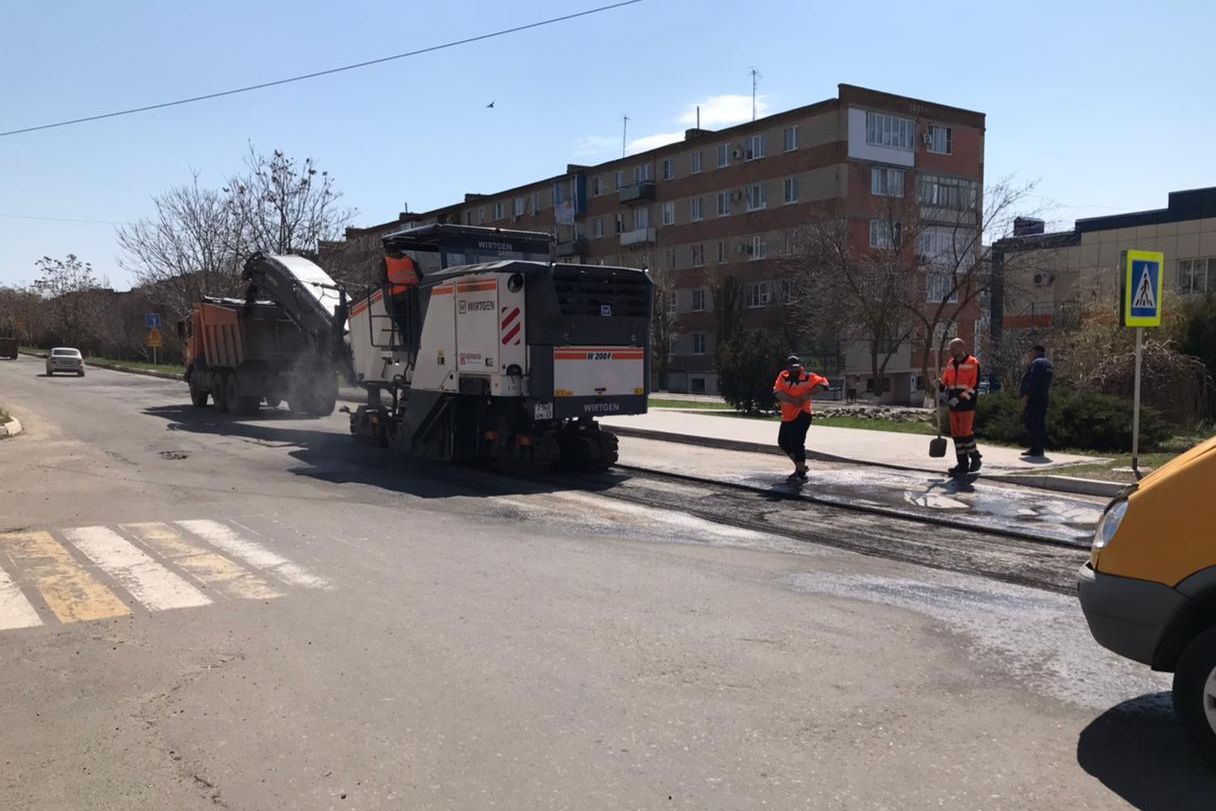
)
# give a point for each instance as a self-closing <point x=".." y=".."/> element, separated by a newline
<point x="1039" y="638"/>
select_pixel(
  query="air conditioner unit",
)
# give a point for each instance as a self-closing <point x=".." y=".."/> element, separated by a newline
<point x="735" y="154"/>
<point x="926" y="139"/>
<point x="741" y="248"/>
<point x="1043" y="279"/>
<point x="736" y="196"/>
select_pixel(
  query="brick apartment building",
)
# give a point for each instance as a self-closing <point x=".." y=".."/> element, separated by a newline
<point x="1048" y="279"/>
<point x="733" y="201"/>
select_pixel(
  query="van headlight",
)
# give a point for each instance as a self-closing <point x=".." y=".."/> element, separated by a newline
<point x="1109" y="524"/>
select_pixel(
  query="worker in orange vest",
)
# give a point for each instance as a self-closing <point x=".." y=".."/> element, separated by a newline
<point x="401" y="273"/>
<point x="793" y="390"/>
<point x="961" y="381"/>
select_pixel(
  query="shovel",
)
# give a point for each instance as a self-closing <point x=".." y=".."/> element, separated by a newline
<point x="937" y="446"/>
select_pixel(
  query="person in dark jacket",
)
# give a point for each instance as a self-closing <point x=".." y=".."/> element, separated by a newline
<point x="1036" y="384"/>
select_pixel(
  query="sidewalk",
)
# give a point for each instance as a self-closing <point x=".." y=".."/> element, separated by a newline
<point x="906" y="451"/>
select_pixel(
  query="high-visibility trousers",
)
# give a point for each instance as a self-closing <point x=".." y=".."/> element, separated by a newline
<point x="962" y="423"/>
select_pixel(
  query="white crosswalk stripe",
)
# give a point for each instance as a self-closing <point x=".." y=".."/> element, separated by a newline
<point x="157" y="588"/>
<point x="223" y="537"/>
<point x="161" y="566"/>
<point x="15" y="610"/>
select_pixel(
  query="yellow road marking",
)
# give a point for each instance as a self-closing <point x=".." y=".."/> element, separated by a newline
<point x="70" y="591"/>
<point x="208" y="567"/>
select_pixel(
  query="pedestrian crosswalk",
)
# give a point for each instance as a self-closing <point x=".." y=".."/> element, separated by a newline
<point x="97" y="572"/>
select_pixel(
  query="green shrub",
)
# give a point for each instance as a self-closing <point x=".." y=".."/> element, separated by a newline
<point x="747" y="365"/>
<point x="1075" y="419"/>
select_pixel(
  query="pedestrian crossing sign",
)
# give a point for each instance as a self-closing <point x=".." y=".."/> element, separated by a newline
<point x="1143" y="273"/>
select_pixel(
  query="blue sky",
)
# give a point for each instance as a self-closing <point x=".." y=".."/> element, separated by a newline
<point x="1109" y="111"/>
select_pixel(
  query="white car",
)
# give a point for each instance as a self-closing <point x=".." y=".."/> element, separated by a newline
<point x="64" y="359"/>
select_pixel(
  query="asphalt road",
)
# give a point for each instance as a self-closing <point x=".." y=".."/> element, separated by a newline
<point x="260" y="614"/>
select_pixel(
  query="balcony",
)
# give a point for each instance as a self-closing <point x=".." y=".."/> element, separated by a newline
<point x="576" y="247"/>
<point x="637" y="193"/>
<point x="638" y="236"/>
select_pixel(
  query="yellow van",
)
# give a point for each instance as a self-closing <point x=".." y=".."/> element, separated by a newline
<point x="1149" y="588"/>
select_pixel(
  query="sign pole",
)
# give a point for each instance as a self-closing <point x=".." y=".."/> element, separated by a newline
<point x="1136" y="405"/>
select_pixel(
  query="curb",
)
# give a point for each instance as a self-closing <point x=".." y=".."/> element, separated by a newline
<point x="10" y="428"/>
<point x="1061" y="484"/>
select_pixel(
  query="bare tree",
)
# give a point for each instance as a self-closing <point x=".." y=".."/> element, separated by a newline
<point x="726" y="292"/>
<point x="663" y="324"/>
<point x="189" y="248"/>
<point x="944" y="234"/>
<point x="72" y="307"/>
<point x="856" y="293"/>
<point x="283" y="206"/>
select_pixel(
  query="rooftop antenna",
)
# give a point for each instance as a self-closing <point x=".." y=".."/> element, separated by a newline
<point x="698" y="116"/>
<point x="624" y="134"/>
<point x="755" y="77"/>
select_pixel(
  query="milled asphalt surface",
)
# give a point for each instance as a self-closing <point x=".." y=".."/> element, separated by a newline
<point x="522" y="648"/>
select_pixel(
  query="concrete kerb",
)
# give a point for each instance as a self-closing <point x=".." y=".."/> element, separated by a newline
<point x="10" y="428"/>
<point x="1060" y="484"/>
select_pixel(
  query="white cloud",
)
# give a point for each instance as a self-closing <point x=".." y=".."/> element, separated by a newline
<point x="723" y="111"/>
<point x="716" y="111"/>
<point x="654" y="141"/>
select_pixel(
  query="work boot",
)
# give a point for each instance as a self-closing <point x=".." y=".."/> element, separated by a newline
<point x="976" y="464"/>
<point x="960" y="469"/>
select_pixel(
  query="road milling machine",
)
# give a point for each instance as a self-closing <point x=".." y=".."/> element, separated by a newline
<point x="470" y="344"/>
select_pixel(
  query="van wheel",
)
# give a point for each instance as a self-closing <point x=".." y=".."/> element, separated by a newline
<point x="1195" y="694"/>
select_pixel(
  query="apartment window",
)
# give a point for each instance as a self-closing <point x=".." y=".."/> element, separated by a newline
<point x="756" y="248"/>
<point x="1196" y="275"/>
<point x="520" y="206"/>
<point x="669" y="213"/>
<point x="698" y="299"/>
<point x="889" y="130"/>
<point x="757" y="294"/>
<point x="673" y="302"/>
<point x="669" y="256"/>
<point x="885" y="234"/>
<point x="790" y="138"/>
<point x="886" y="182"/>
<point x="723" y="155"/>
<point x="597" y="227"/>
<point x="723" y="203"/>
<point x="757" y="196"/>
<point x="940" y="140"/>
<point x="597" y="186"/>
<point x="481" y="215"/>
<point x="643" y="173"/>
<point x="498" y="211"/>
<point x="669" y="171"/>
<point x="787" y="291"/>
<point x="620" y="222"/>
<point x="721" y="252"/>
<point x="953" y="193"/>
<point x="694" y="208"/>
<point x="696" y="256"/>
<point x="536" y="203"/>
<point x="755" y="147"/>
<point x="943" y="245"/>
<point x="620" y="178"/>
<point x="793" y="243"/>
<point x="940" y="287"/>
<point x="791" y="190"/>
<point x="698" y="343"/>
<point x="641" y="218"/>
<point x="694" y="163"/>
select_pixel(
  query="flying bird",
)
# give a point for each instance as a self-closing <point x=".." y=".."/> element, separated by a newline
<point x="491" y="104"/>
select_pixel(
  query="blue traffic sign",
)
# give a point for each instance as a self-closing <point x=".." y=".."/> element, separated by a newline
<point x="1142" y="288"/>
<point x="152" y="320"/>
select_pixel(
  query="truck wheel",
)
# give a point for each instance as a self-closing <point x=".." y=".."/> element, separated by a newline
<point x="1195" y="694"/>
<point x="197" y="396"/>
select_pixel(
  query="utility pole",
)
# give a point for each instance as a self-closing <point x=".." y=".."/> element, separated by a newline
<point x="624" y="134"/>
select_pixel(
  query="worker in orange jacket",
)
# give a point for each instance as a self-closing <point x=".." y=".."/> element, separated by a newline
<point x="961" y="382"/>
<point x="401" y="272"/>
<point x="793" y="390"/>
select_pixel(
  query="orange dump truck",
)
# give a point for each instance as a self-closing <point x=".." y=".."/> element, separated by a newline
<point x="241" y="354"/>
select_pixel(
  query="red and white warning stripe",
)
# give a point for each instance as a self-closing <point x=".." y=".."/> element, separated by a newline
<point x="511" y="326"/>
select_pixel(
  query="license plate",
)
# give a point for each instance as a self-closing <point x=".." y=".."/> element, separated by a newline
<point x="543" y="411"/>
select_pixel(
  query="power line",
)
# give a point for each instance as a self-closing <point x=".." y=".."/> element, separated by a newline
<point x="61" y="219"/>
<point x="327" y="72"/>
